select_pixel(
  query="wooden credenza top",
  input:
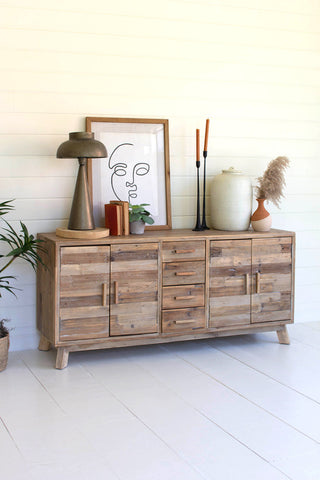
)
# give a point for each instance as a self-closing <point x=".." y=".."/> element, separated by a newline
<point x="169" y="235"/>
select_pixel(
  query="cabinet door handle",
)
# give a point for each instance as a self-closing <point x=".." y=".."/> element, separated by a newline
<point x="192" y="250"/>
<point x="184" y="274"/>
<point x="258" y="282"/>
<point x="186" y="297"/>
<point x="247" y="281"/>
<point x="104" y="294"/>
<point x="116" y="293"/>
<point x="181" y="322"/>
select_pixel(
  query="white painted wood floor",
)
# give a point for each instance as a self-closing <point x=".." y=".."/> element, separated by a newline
<point x="233" y="408"/>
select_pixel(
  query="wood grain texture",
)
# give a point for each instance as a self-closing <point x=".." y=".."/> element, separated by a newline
<point x="82" y="275"/>
<point x="84" y="298"/>
<point x="183" y="296"/>
<point x="134" y="289"/>
<point x="183" y="273"/>
<point x="183" y="320"/>
<point x="62" y="358"/>
<point x="183" y="250"/>
<point x="44" y="344"/>
<point x="272" y="273"/>
<point x="46" y="291"/>
<point x="283" y="335"/>
<point x="229" y="277"/>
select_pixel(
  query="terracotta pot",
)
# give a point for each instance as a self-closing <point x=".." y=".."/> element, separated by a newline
<point x="261" y="220"/>
<point x="4" y="349"/>
<point x="137" y="227"/>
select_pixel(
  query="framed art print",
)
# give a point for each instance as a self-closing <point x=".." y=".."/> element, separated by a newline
<point x="136" y="169"/>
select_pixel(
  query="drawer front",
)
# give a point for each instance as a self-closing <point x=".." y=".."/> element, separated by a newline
<point x="183" y="296"/>
<point x="176" y="251"/>
<point x="183" y="320"/>
<point x="183" y="273"/>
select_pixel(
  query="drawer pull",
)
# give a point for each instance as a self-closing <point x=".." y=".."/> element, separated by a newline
<point x="258" y="282"/>
<point x="192" y="250"/>
<point x="184" y="274"/>
<point x="116" y="293"/>
<point x="104" y="294"/>
<point x="247" y="284"/>
<point x="185" y="297"/>
<point x="181" y="322"/>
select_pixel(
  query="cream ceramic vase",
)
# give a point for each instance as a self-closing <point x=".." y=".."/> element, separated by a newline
<point x="231" y="200"/>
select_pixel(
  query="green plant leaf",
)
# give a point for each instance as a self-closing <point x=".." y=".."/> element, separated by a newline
<point x="5" y="207"/>
<point x="22" y="245"/>
<point x="148" y="219"/>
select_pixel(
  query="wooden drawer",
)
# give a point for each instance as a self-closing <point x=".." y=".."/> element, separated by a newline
<point x="190" y="250"/>
<point x="183" y="296"/>
<point x="183" y="273"/>
<point x="183" y="320"/>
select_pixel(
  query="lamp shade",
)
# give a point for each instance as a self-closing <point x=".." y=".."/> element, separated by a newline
<point x="82" y="145"/>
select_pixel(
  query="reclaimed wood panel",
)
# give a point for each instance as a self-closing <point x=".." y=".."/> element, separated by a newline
<point x="134" y="289"/>
<point x="230" y="282"/>
<point x="183" y="296"/>
<point x="272" y="279"/>
<point x="46" y="300"/>
<point x="183" y="273"/>
<point x="84" y="292"/>
<point x="183" y="320"/>
<point x="187" y="250"/>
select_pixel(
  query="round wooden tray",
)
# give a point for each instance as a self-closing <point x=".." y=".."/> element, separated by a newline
<point x="83" y="234"/>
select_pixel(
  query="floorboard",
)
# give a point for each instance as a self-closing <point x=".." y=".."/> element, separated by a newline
<point x="239" y="408"/>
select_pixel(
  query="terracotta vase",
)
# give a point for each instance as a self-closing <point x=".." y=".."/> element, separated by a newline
<point x="261" y="220"/>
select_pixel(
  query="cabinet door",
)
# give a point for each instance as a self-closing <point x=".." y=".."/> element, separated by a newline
<point x="84" y="292"/>
<point x="134" y="289"/>
<point x="230" y="282"/>
<point x="272" y="279"/>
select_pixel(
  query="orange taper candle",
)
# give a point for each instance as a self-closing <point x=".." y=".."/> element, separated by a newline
<point x="198" y="144"/>
<point x="206" y="135"/>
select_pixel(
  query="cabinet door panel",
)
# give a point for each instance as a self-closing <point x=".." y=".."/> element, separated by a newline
<point x="230" y="282"/>
<point x="84" y="292"/>
<point x="272" y="275"/>
<point x="134" y="289"/>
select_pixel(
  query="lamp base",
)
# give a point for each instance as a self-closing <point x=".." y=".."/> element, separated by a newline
<point x="83" y="234"/>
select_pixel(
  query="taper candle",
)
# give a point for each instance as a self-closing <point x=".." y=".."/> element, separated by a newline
<point x="206" y="136"/>
<point x="198" y="144"/>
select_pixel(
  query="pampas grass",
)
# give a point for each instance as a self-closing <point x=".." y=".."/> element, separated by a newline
<point x="270" y="185"/>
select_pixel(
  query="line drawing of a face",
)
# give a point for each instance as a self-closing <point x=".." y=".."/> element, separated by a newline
<point x="129" y="182"/>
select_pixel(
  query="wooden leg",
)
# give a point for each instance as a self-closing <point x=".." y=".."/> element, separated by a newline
<point x="283" y="335"/>
<point x="44" y="344"/>
<point x="62" y="358"/>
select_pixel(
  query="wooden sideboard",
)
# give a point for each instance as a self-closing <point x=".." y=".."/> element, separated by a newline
<point x="163" y="286"/>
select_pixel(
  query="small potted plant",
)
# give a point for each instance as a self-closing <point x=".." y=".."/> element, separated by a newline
<point x="20" y="245"/>
<point x="138" y="217"/>
<point x="270" y="187"/>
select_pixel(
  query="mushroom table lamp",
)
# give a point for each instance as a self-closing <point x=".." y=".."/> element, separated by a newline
<point x="82" y="145"/>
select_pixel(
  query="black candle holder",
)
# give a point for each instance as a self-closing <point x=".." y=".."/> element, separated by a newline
<point x="204" y="224"/>
<point x="198" y="227"/>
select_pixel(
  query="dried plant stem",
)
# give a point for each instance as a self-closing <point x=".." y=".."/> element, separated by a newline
<point x="271" y="184"/>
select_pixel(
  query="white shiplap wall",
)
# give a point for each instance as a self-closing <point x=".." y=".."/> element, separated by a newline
<point x="251" y="66"/>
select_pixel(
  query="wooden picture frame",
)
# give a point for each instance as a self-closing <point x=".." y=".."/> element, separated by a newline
<point x="137" y="168"/>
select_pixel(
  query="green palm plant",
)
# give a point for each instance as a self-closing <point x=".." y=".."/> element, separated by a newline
<point x="21" y="244"/>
